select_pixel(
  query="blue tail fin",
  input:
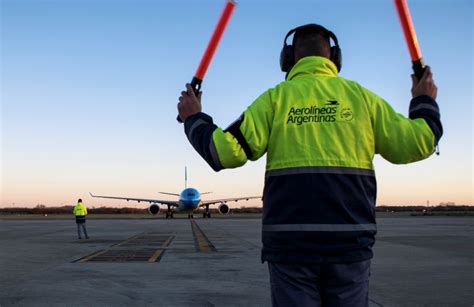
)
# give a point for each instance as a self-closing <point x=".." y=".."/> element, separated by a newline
<point x="185" y="177"/>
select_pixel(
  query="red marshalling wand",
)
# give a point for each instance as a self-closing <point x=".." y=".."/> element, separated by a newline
<point x="212" y="46"/>
<point x="410" y="37"/>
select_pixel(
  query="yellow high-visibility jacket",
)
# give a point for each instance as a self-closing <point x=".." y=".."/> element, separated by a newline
<point x="80" y="210"/>
<point x="320" y="133"/>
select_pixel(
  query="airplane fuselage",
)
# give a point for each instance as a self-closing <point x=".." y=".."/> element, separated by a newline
<point x="189" y="200"/>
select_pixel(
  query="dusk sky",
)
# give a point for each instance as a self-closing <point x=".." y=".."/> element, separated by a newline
<point x="89" y="91"/>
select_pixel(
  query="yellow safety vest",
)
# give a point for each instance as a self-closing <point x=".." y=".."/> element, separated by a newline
<point x="80" y="210"/>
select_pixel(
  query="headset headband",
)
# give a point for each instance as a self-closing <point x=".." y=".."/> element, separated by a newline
<point x="287" y="54"/>
<point x="315" y="27"/>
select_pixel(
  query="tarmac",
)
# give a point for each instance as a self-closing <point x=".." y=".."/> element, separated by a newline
<point x="419" y="261"/>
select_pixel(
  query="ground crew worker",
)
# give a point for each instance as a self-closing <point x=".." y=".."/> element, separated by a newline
<point x="320" y="133"/>
<point x="80" y="211"/>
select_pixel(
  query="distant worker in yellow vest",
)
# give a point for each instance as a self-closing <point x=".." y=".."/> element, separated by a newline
<point x="80" y="211"/>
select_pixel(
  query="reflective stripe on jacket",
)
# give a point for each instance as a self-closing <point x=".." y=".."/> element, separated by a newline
<point x="320" y="133"/>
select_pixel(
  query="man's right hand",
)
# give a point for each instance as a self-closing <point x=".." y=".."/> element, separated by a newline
<point x="425" y="86"/>
<point x="189" y="104"/>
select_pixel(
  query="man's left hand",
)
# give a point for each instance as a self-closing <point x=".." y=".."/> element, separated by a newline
<point x="189" y="104"/>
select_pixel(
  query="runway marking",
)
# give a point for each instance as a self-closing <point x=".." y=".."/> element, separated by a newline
<point x="144" y="247"/>
<point x="128" y="240"/>
<point x="87" y="258"/>
<point x="120" y="255"/>
<point x="156" y="256"/>
<point x="159" y="253"/>
<point x="168" y="242"/>
<point x="202" y="243"/>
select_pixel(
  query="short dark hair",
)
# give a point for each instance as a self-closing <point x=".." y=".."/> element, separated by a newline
<point x="311" y="42"/>
<point x="79" y="200"/>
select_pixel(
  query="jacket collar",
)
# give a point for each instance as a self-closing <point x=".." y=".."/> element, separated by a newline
<point x="313" y="65"/>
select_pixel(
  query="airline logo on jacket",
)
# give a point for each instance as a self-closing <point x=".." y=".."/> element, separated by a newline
<point x="328" y="113"/>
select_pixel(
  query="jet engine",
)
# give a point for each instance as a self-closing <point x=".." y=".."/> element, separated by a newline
<point x="223" y="208"/>
<point x="154" y="209"/>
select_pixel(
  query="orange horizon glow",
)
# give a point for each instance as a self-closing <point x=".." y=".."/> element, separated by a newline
<point x="70" y="200"/>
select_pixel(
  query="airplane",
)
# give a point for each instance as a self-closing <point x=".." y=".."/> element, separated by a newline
<point x="189" y="201"/>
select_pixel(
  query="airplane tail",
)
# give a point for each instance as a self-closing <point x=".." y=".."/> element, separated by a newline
<point x="185" y="183"/>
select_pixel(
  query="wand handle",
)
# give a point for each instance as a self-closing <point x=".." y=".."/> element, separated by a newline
<point x="418" y="68"/>
<point x="196" y="85"/>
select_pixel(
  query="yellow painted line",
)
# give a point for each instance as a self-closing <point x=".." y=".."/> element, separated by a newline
<point x="203" y="244"/>
<point x="156" y="255"/>
<point x="159" y="252"/>
<point x="168" y="241"/>
<point x="92" y="256"/>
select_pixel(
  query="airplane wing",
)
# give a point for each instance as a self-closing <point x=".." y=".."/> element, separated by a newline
<point x="224" y="200"/>
<point x="151" y="201"/>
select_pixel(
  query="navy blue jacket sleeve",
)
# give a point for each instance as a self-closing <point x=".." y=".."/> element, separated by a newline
<point x="426" y="107"/>
<point x="199" y="128"/>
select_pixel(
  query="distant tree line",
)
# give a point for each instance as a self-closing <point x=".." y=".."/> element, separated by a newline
<point x="42" y="209"/>
<point x="440" y="208"/>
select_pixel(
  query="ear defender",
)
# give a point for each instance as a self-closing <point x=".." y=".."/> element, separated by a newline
<point x="336" y="54"/>
<point x="287" y="54"/>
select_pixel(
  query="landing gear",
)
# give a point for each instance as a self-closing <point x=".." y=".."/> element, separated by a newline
<point x="190" y="216"/>
<point x="169" y="213"/>
<point x="206" y="213"/>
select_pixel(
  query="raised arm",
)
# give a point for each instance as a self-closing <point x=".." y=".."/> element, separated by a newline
<point x="403" y="140"/>
<point x="245" y="139"/>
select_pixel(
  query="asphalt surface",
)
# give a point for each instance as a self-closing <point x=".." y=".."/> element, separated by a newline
<point x="419" y="261"/>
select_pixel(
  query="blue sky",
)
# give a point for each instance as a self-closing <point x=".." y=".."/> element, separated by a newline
<point x="89" y="91"/>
